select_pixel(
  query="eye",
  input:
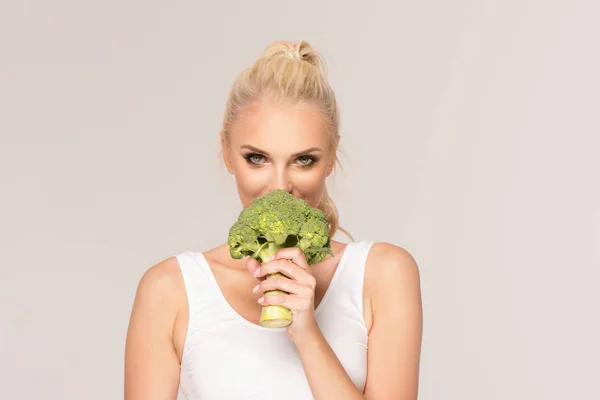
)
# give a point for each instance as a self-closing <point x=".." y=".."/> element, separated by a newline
<point x="306" y="161"/>
<point x="254" y="158"/>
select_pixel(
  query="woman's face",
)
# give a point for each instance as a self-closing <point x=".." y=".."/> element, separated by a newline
<point x="273" y="147"/>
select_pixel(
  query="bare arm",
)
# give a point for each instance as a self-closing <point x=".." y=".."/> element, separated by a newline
<point x="395" y="338"/>
<point x="151" y="363"/>
<point x="326" y="376"/>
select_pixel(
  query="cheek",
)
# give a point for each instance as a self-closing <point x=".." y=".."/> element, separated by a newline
<point x="310" y="180"/>
<point x="310" y="185"/>
<point x="249" y="180"/>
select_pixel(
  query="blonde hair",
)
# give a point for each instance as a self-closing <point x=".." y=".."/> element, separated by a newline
<point x="289" y="72"/>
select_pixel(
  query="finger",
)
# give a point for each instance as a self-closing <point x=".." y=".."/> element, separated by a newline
<point x="294" y="303"/>
<point x="287" y="268"/>
<point x="284" y="284"/>
<point x="252" y="264"/>
<point x="294" y="254"/>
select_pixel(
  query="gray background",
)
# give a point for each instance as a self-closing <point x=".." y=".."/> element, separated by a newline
<point x="470" y="131"/>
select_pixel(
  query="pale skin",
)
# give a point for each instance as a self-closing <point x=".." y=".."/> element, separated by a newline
<point x="391" y="296"/>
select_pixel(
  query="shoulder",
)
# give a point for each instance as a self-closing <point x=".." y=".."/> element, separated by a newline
<point x="151" y="359"/>
<point x="395" y="334"/>
<point x="390" y="268"/>
<point x="161" y="287"/>
<point x="390" y="260"/>
<point x="162" y="277"/>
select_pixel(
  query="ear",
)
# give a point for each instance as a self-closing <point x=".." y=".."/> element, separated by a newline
<point x="330" y="168"/>
<point x="333" y="161"/>
<point x="226" y="157"/>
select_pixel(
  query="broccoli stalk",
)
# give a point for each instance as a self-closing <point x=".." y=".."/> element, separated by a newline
<point x="273" y="221"/>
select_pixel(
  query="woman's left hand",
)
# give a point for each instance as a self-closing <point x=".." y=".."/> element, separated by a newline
<point x="298" y="281"/>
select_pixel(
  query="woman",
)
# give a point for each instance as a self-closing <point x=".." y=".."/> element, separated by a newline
<point x="357" y="316"/>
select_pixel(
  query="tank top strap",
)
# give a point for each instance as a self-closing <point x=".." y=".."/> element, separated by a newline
<point x="200" y="286"/>
<point x="347" y="290"/>
<point x="196" y="273"/>
<point x="356" y="270"/>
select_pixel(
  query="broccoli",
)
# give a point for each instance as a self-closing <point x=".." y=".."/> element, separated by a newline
<point x="274" y="221"/>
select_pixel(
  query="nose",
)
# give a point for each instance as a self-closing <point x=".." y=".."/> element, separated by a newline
<point x="282" y="181"/>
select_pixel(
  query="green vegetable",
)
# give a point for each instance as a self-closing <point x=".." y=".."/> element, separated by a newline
<point x="274" y="221"/>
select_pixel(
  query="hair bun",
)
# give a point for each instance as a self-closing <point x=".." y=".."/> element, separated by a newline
<point x="300" y="51"/>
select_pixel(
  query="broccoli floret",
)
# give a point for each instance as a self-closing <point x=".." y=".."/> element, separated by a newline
<point x="277" y="220"/>
<point x="242" y="240"/>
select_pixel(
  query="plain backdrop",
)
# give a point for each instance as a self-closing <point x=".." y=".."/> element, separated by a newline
<point x="470" y="132"/>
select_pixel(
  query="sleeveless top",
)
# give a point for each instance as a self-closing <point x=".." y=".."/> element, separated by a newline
<point x="226" y="356"/>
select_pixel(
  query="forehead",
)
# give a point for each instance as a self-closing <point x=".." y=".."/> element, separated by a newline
<point x="287" y="128"/>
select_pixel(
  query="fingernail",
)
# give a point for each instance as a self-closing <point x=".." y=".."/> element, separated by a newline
<point x="261" y="299"/>
<point x="256" y="272"/>
<point x="255" y="289"/>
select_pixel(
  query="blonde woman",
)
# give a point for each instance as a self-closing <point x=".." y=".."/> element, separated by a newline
<point x="357" y="316"/>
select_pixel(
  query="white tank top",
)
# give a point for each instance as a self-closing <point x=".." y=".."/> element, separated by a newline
<point x="226" y="356"/>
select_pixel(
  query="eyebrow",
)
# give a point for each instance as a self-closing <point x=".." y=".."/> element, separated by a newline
<point x="247" y="146"/>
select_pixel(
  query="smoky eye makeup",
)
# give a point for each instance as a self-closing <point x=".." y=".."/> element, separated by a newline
<point x="252" y="158"/>
<point x="305" y="160"/>
<point x="308" y="160"/>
